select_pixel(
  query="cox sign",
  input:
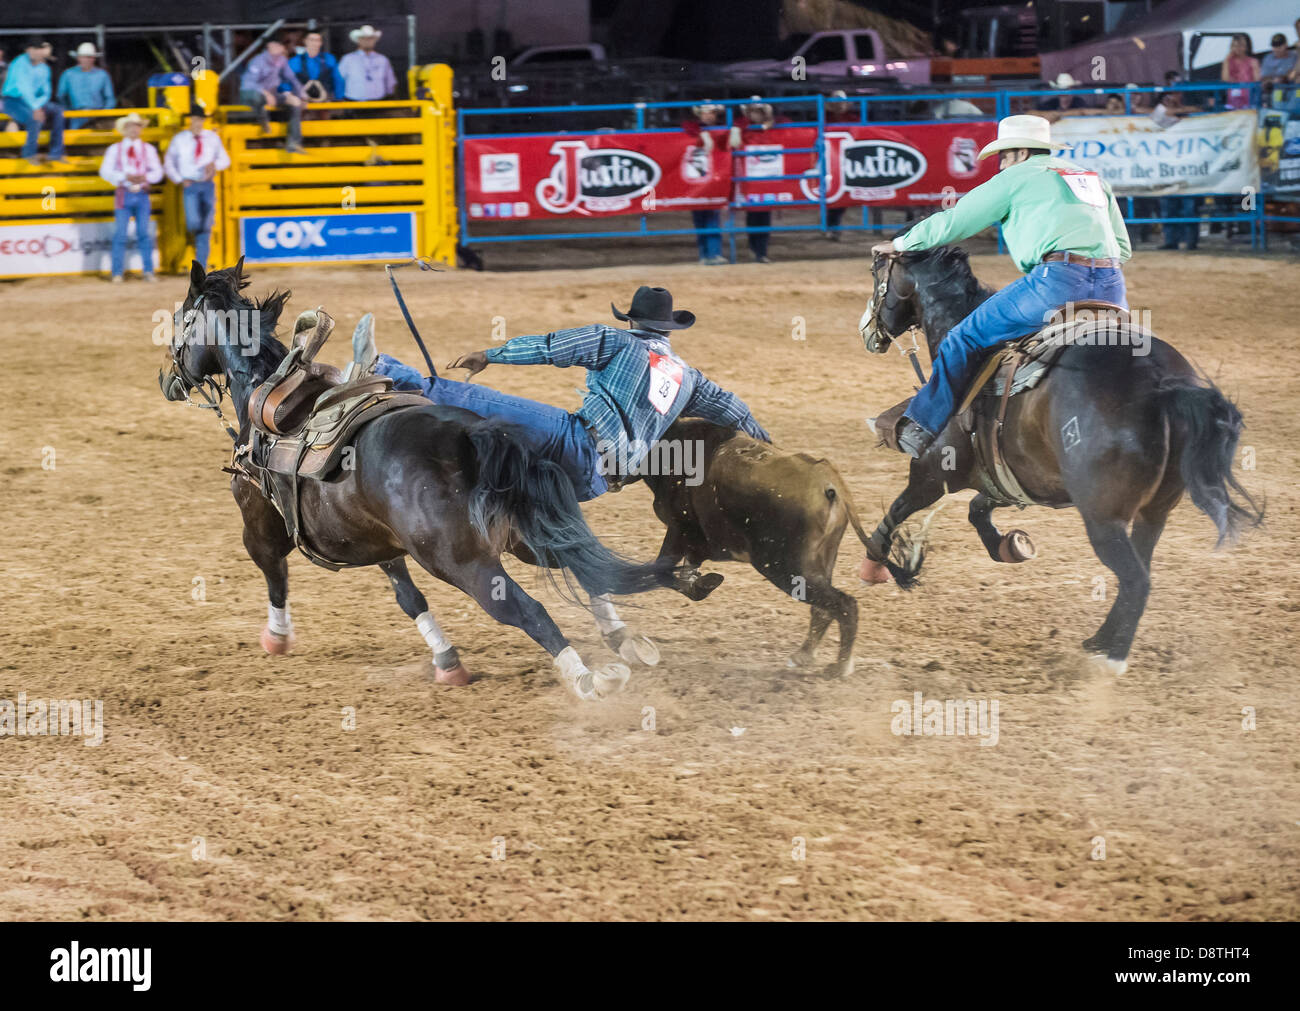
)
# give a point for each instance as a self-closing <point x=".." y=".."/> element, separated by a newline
<point x="297" y="238"/>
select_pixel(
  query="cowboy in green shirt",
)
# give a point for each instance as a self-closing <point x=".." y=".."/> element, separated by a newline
<point x="1062" y="227"/>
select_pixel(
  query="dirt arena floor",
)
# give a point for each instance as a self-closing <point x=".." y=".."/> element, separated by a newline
<point x="507" y="799"/>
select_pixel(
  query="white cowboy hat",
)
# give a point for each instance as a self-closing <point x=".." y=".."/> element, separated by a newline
<point x="1020" y="131"/>
<point x="122" y="122"/>
<point x="364" y="32"/>
<point x="85" y="49"/>
<point x="1064" y="80"/>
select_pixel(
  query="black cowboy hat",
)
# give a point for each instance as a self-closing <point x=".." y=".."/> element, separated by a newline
<point x="654" y="308"/>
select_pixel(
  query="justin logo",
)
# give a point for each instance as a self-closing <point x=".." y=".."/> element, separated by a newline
<point x="866" y="169"/>
<point x="589" y="180"/>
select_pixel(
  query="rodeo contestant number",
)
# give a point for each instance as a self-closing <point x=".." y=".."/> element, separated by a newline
<point x="665" y="381"/>
<point x="1086" y="186"/>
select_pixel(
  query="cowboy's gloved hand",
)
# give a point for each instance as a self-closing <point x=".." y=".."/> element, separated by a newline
<point x="475" y="362"/>
<point x="884" y="248"/>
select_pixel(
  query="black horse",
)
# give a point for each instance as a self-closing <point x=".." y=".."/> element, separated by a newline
<point x="440" y="484"/>
<point x="1119" y="437"/>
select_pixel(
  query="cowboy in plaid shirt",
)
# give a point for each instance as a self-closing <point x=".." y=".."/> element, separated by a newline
<point x="636" y="387"/>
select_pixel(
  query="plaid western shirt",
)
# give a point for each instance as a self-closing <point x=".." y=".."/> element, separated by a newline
<point x="617" y="404"/>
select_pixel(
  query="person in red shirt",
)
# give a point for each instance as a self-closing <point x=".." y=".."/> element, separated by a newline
<point x="751" y="130"/>
<point x="707" y="221"/>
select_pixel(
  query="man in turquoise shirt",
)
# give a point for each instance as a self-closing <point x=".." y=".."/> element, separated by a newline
<point x="85" y="86"/>
<point x="1062" y="227"/>
<point x="27" y="92"/>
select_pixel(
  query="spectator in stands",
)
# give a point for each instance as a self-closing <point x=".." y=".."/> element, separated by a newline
<point x="1279" y="64"/>
<point x="367" y="75"/>
<point x="131" y="166"/>
<point x="838" y="110"/>
<point x="28" y="100"/>
<point x="1063" y="105"/>
<point x="707" y="222"/>
<point x="750" y="130"/>
<point x="85" y="86"/>
<point x="1240" y="67"/>
<point x="1166" y="113"/>
<point x="317" y="71"/>
<point x="259" y="88"/>
<point x="194" y="158"/>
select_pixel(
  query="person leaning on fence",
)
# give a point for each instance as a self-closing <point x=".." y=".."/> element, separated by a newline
<point x="131" y="166"/>
<point x="1278" y="67"/>
<point x="194" y="158"/>
<point x="367" y="75"/>
<point x="259" y="88"/>
<point x="317" y="71"/>
<point x="1240" y="68"/>
<point x="1055" y="106"/>
<point x="707" y="222"/>
<point x="838" y="110"/>
<point x="28" y="100"/>
<point x="751" y="129"/>
<point x="85" y="86"/>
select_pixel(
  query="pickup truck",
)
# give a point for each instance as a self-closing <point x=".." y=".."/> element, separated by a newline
<point x="540" y="56"/>
<point x="859" y="52"/>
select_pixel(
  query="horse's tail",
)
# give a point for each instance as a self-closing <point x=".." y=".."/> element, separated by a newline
<point x="1205" y="426"/>
<point x="903" y="555"/>
<point x="518" y="492"/>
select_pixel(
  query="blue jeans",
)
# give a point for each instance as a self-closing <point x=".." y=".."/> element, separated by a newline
<point x="1181" y="207"/>
<point x="550" y="432"/>
<point x="758" y="240"/>
<point x="200" y="201"/>
<point x="1022" y="307"/>
<point x="707" y="236"/>
<point x="21" y="113"/>
<point x="134" y="205"/>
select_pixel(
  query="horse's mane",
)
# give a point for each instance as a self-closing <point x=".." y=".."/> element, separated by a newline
<point x="221" y="291"/>
<point x="945" y="271"/>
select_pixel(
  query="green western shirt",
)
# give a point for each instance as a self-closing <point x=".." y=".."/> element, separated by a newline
<point x="1044" y="204"/>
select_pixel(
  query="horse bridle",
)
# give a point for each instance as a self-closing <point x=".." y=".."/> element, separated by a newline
<point x="875" y="337"/>
<point x="182" y="385"/>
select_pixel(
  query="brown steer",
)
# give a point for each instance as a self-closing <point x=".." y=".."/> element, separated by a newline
<point x="782" y="512"/>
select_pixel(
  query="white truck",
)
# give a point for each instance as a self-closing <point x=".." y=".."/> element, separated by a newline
<point x="858" y="52"/>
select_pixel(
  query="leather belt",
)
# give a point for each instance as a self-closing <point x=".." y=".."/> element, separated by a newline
<point x="615" y="482"/>
<point x="1069" y="257"/>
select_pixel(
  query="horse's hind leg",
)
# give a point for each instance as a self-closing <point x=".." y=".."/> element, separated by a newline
<point x="268" y="545"/>
<point x="1111" y="542"/>
<point x="1013" y="546"/>
<point x="628" y="644"/>
<point x="447" y="668"/>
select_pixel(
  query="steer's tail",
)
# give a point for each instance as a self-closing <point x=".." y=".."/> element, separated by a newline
<point x="516" y="491"/>
<point x="1205" y="426"/>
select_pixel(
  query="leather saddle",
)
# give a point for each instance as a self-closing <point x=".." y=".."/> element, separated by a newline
<point x="305" y="416"/>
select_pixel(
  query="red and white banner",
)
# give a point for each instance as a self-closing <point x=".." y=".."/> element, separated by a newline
<point x="66" y="248"/>
<point x="641" y="173"/>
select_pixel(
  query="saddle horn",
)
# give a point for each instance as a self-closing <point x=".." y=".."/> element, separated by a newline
<point x="310" y="332"/>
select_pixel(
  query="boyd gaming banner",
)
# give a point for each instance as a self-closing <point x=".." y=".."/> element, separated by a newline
<point x="596" y="175"/>
<point x="915" y="164"/>
<point x="1212" y="153"/>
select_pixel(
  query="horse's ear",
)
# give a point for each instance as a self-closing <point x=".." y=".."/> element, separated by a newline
<point x="197" y="277"/>
<point x="239" y="272"/>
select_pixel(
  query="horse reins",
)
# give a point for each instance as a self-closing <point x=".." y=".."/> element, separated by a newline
<point x="882" y="293"/>
<point x="201" y="384"/>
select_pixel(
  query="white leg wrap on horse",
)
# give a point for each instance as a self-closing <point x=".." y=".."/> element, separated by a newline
<point x="607" y="619"/>
<point x="278" y="620"/>
<point x="432" y="633"/>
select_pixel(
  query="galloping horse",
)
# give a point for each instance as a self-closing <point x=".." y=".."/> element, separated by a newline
<point x="1117" y="436"/>
<point x="440" y="484"/>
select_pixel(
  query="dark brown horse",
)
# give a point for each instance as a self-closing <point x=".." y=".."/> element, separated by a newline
<point x="442" y="485"/>
<point x="1118" y="436"/>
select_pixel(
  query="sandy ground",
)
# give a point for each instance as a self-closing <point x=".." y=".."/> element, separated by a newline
<point x="508" y="800"/>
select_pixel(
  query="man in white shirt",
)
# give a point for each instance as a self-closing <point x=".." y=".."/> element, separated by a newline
<point x="367" y="75"/>
<point x="131" y="166"/>
<point x="194" y="158"/>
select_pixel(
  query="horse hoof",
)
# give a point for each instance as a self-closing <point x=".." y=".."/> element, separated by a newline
<point x="457" y="676"/>
<point x="873" y="573"/>
<point x="1016" y="547"/>
<point x="610" y="679"/>
<point x="276" y="643"/>
<point x="797" y="661"/>
<point x="704" y="585"/>
<point x="839" y="670"/>
<point x="1112" y="667"/>
<point x="639" y="649"/>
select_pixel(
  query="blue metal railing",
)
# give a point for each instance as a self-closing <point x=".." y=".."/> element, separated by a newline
<point x="1004" y="102"/>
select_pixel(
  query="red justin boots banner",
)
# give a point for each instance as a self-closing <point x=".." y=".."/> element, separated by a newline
<point x="912" y="164"/>
<point x="596" y="175"/>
